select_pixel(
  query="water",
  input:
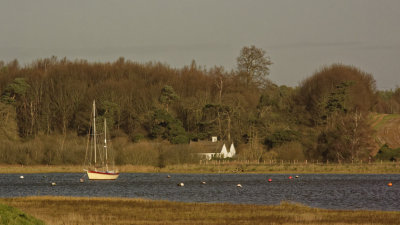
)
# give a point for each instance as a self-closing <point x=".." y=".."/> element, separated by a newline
<point x="331" y="191"/>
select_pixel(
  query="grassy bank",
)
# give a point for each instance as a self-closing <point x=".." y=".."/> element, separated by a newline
<point x="226" y="167"/>
<point x="10" y="215"/>
<point x="75" y="210"/>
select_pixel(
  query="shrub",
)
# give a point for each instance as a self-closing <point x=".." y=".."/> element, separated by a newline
<point x="289" y="151"/>
<point x="387" y="153"/>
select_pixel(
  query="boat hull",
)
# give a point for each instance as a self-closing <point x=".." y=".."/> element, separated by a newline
<point x="98" y="175"/>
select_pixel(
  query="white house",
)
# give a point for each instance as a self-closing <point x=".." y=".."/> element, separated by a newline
<point x="224" y="152"/>
<point x="232" y="151"/>
<point x="212" y="149"/>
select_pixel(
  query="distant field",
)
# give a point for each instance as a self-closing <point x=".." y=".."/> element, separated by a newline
<point x="387" y="127"/>
<point x="80" y="210"/>
<point x="380" y="120"/>
<point x="228" y="167"/>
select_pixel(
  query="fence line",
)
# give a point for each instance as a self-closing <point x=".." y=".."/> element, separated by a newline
<point x="289" y="162"/>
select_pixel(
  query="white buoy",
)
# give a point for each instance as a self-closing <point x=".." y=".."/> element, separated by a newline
<point x="203" y="182"/>
<point x="81" y="180"/>
<point x="297" y="176"/>
<point x="239" y="185"/>
<point x="168" y="176"/>
<point x="21" y="177"/>
<point x="53" y="184"/>
<point x="181" y="184"/>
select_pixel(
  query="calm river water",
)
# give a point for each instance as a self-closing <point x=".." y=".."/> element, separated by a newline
<point x="331" y="191"/>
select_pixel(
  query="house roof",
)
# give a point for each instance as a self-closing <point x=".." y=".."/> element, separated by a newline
<point x="207" y="146"/>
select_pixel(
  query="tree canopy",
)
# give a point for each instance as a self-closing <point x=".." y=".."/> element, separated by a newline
<point x="325" y="117"/>
<point x="253" y="65"/>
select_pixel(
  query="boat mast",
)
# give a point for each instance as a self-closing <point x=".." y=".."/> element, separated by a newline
<point x="94" y="130"/>
<point x="105" y="141"/>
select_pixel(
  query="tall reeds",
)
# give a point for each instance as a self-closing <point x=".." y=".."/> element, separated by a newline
<point x="74" y="210"/>
<point x="221" y="166"/>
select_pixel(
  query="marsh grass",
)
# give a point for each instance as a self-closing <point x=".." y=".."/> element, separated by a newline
<point x="83" y="210"/>
<point x="227" y="167"/>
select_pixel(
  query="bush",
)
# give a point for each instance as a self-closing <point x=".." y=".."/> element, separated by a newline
<point x="137" y="138"/>
<point x="289" y="151"/>
<point x="387" y="153"/>
<point x="142" y="153"/>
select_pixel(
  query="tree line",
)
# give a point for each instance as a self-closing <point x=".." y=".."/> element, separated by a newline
<point x="326" y="117"/>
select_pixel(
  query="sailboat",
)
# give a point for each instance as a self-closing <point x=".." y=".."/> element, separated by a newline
<point x="98" y="159"/>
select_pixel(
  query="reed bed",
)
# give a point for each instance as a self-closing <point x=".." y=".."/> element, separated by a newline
<point x="83" y="210"/>
<point x="221" y="166"/>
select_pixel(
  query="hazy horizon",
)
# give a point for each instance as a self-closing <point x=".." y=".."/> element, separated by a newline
<point x="300" y="37"/>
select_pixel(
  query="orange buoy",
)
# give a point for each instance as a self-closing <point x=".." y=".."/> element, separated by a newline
<point x="390" y="184"/>
<point x="269" y="180"/>
<point x="290" y="177"/>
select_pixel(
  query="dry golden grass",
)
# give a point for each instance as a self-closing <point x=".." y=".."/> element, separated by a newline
<point x="40" y="169"/>
<point x="83" y="210"/>
<point x="226" y="167"/>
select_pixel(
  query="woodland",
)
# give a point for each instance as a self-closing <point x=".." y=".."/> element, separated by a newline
<point x="154" y="111"/>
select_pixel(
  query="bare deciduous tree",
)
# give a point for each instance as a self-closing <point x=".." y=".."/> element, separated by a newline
<point x="253" y="65"/>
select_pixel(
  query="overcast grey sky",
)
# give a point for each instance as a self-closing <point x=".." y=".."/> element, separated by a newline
<point x="300" y="36"/>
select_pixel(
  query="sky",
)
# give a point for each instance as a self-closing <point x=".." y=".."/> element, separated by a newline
<point x="299" y="36"/>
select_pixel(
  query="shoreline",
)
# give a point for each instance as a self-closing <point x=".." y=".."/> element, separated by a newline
<point x="85" y="210"/>
<point x="224" y="167"/>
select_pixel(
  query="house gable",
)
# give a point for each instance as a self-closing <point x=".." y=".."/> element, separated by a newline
<point x="209" y="149"/>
